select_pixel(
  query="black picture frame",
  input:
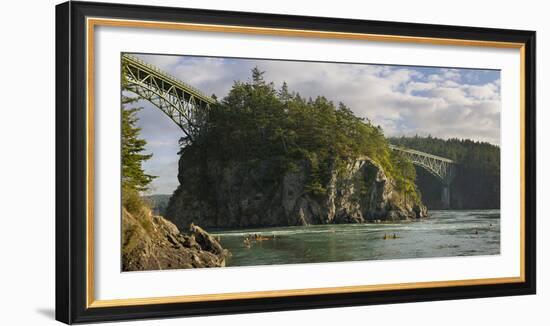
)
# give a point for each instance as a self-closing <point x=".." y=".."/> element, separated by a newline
<point x="71" y="158"/>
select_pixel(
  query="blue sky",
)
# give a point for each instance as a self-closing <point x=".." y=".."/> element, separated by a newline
<point x="404" y="100"/>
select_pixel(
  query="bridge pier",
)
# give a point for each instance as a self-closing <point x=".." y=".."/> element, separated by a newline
<point x="446" y="196"/>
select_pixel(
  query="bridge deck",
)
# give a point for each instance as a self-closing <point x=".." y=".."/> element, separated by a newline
<point x="169" y="78"/>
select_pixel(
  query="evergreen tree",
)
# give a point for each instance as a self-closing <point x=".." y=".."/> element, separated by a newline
<point x="257" y="76"/>
<point x="284" y="94"/>
<point x="133" y="175"/>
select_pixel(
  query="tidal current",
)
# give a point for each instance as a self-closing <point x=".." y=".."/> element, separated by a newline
<point x="445" y="233"/>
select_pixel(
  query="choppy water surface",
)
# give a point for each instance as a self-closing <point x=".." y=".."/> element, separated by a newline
<point x="444" y="234"/>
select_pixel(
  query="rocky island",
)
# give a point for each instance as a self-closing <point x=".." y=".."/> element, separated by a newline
<point x="266" y="157"/>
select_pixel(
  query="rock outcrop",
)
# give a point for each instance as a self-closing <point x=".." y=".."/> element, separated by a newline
<point x="152" y="242"/>
<point x="236" y="194"/>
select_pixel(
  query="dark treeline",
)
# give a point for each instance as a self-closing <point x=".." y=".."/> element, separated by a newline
<point x="477" y="184"/>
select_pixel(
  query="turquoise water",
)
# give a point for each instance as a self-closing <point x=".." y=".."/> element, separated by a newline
<point x="444" y="234"/>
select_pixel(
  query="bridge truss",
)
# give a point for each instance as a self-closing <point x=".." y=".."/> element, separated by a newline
<point x="442" y="168"/>
<point x="184" y="104"/>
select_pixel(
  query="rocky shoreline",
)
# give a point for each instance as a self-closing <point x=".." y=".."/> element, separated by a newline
<point x="152" y="242"/>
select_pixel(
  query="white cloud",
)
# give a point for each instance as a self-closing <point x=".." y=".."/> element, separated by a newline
<point x="450" y="83"/>
<point x="452" y="74"/>
<point x="445" y="103"/>
<point x="435" y="78"/>
<point x="403" y="100"/>
<point x="399" y="100"/>
<point x="164" y="62"/>
<point x="419" y="86"/>
<point x="488" y="91"/>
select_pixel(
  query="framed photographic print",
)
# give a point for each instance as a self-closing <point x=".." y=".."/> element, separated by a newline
<point x="223" y="162"/>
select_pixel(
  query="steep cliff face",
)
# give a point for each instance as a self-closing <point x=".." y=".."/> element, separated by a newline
<point x="236" y="194"/>
<point x="151" y="243"/>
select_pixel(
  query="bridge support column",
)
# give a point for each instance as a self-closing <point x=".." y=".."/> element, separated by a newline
<point x="446" y="196"/>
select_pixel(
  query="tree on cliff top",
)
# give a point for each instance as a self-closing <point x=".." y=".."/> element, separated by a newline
<point x="133" y="175"/>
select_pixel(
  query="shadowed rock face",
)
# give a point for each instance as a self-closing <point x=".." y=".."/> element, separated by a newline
<point x="234" y="194"/>
<point x="153" y="243"/>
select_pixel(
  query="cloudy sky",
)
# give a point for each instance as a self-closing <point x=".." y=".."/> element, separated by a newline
<point x="404" y="100"/>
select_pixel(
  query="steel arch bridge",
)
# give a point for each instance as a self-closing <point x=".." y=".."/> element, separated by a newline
<point x="442" y="168"/>
<point x="183" y="103"/>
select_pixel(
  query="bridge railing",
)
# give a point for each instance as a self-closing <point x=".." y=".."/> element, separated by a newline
<point x="170" y="78"/>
